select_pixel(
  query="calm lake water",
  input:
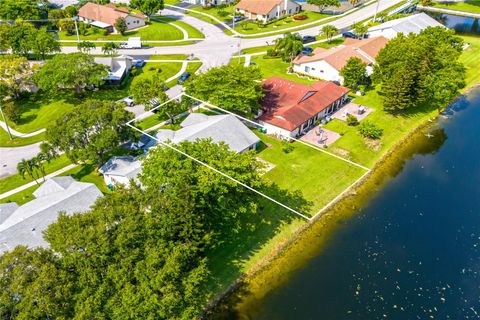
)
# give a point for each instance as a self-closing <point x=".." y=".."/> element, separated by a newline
<point x="463" y="25"/>
<point x="412" y="252"/>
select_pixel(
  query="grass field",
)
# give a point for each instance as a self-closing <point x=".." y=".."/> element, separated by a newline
<point x="5" y="141"/>
<point x="22" y="197"/>
<point x="467" y="6"/>
<point x="275" y="67"/>
<point x="471" y="58"/>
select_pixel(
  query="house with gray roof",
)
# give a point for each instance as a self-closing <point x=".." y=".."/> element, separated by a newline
<point x="411" y="24"/>
<point x="222" y="128"/>
<point x="119" y="170"/>
<point x="24" y="225"/>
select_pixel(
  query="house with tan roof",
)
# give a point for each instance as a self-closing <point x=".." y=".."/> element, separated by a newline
<point x="326" y="63"/>
<point x="105" y="16"/>
<point x="266" y="10"/>
<point x="289" y="109"/>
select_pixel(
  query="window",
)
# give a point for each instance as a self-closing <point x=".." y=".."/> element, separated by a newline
<point x="321" y="71"/>
<point x="289" y="11"/>
<point x="313" y="69"/>
<point x="307" y="69"/>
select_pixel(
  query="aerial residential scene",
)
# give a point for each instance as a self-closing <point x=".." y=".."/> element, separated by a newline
<point x="239" y="159"/>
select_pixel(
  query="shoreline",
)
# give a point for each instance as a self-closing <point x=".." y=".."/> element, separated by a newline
<point x="343" y="208"/>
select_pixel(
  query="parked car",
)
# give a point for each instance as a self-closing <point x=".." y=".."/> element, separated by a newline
<point x="184" y="77"/>
<point x="127" y="100"/>
<point x="307" y="39"/>
<point x="307" y="51"/>
<point x="238" y="18"/>
<point x="349" y="34"/>
<point x="138" y="63"/>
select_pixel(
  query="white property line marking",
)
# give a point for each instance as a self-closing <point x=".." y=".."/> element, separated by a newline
<point x="221" y="173"/>
<point x="239" y="182"/>
<point x="302" y="142"/>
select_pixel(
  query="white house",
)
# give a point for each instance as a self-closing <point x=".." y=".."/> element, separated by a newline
<point x="326" y="63"/>
<point x="411" y="24"/>
<point x="265" y="10"/>
<point x="24" y="225"/>
<point x="290" y="108"/>
<point x="120" y="169"/>
<point x="105" y="16"/>
<point x="119" y="67"/>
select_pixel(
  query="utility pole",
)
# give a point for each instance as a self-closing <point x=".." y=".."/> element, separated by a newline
<point x="76" y="30"/>
<point x="376" y="11"/>
<point x="6" y="124"/>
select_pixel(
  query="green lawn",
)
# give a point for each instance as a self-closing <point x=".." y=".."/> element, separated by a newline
<point x="22" y="197"/>
<point x="16" y="180"/>
<point x="165" y="69"/>
<point x="168" y="57"/>
<point x="467" y="6"/>
<point x="88" y="173"/>
<point x="471" y="58"/>
<point x="16" y="141"/>
<point x="156" y="30"/>
<point x="150" y="121"/>
<point x="275" y="67"/>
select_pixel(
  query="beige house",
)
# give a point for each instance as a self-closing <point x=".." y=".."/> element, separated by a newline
<point x="266" y="10"/>
<point x="105" y="16"/>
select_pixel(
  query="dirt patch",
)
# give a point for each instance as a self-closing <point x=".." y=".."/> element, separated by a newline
<point x="373" y="144"/>
<point x="341" y="152"/>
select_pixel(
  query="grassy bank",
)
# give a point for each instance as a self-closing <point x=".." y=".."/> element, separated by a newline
<point x="467" y="6"/>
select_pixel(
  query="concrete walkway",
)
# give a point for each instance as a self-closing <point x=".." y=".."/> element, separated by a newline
<point x="33" y="183"/>
<point x="179" y="73"/>
<point x="19" y="134"/>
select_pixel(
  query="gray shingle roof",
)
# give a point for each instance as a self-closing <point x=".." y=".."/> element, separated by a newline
<point x="221" y="128"/>
<point x="411" y="24"/>
<point x="125" y="166"/>
<point x="25" y="225"/>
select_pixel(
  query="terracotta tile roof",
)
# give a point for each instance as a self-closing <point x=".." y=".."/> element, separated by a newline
<point x="337" y="57"/>
<point x="106" y="14"/>
<point x="258" y="6"/>
<point x="289" y="104"/>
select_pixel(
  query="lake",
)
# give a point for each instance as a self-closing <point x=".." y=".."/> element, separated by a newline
<point x="463" y="25"/>
<point x="412" y="251"/>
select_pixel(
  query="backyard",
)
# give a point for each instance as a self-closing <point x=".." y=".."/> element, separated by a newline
<point x="467" y="6"/>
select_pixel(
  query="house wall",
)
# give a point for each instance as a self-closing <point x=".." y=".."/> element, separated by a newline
<point x="319" y="69"/>
<point x="134" y="22"/>
<point x="116" y="180"/>
<point x="287" y="7"/>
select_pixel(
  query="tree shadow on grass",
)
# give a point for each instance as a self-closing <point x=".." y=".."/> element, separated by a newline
<point x="226" y="260"/>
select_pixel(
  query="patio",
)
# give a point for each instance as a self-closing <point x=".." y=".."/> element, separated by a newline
<point x="357" y="110"/>
<point x="320" y="136"/>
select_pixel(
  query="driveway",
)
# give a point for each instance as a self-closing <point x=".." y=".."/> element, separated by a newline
<point x="9" y="157"/>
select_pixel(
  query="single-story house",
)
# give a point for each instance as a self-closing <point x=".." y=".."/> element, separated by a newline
<point x="326" y="63"/>
<point x="105" y="16"/>
<point x="410" y="24"/>
<point x="119" y="67"/>
<point x="266" y="10"/>
<point x="119" y="170"/>
<point x="23" y="225"/>
<point x="290" y="108"/>
<point x="219" y="128"/>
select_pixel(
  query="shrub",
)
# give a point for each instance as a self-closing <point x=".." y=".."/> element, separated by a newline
<point x="300" y="16"/>
<point x="11" y="111"/>
<point x="370" y="130"/>
<point x="287" y="147"/>
<point x="352" y="120"/>
<point x="222" y="13"/>
<point x="222" y="6"/>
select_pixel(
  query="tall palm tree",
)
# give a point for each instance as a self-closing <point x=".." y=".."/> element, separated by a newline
<point x="27" y="167"/>
<point x="328" y="32"/>
<point x="289" y="46"/>
<point x="40" y="160"/>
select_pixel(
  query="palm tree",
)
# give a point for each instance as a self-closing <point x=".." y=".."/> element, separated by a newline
<point x="40" y="160"/>
<point x="328" y="32"/>
<point x="354" y="2"/>
<point x="289" y="46"/>
<point x="27" y="167"/>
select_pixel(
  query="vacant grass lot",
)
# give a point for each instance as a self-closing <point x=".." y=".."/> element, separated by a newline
<point x="467" y="6"/>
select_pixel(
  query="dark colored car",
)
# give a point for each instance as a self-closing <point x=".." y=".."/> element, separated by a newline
<point x="184" y="77"/>
<point x="307" y="39"/>
<point x="138" y="63"/>
<point x="238" y="18"/>
<point x="307" y="50"/>
<point x="349" y="35"/>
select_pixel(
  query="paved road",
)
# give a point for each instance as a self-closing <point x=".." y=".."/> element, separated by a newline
<point x="9" y="157"/>
<point x="218" y="47"/>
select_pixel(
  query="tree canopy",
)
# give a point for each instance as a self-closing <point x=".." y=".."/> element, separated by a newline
<point x="15" y="75"/>
<point x="90" y="131"/>
<point x="19" y="9"/>
<point x="77" y="71"/>
<point x="232" y="87"/>
<point x="144" y="89"/>
<point x="149" y="7"/>
<point x="354" y="73"/>
<point x="421" y="68"/>
<point x="328" y="31"/>
<point x="322" y="4"/>
<point x="289" y="46"/>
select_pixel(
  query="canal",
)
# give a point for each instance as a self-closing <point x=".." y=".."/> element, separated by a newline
<point x="412" y="251"/>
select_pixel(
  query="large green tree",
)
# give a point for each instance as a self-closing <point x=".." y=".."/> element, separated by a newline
<point x="421" y="68"/>
<point x="77" y="71"/>
<point x="149" y="7"/>
<point x="354" y="73"/>
<point x="20" y="37"/>
<point x="15" y="75"/>
<point x="19" y="9"/>
<point x="232" y="87"/>
<point x="289" y="46"/>
<point x="145" y="89"/>
<point x="90" y="131"/>
<point x="43" y="43"/>
<point x="329" y="31"/>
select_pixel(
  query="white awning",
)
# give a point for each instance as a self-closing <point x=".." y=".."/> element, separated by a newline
<point x="100" y="24"/>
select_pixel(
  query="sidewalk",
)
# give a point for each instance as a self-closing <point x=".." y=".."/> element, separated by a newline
<point x="19" y="134"/>
<point x="33" y="183"/>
